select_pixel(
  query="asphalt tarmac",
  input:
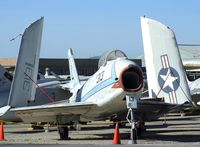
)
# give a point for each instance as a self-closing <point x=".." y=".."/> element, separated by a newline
<point x="179" y="131"/>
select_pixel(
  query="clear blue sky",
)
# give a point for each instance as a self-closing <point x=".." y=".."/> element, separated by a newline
<point x="90" y="27"/>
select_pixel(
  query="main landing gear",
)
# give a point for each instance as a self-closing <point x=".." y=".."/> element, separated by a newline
<point x="63" y="132"/>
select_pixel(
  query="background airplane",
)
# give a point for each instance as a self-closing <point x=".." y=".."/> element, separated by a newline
<point x="52" y="89"/>
<point x="195" y="90"/>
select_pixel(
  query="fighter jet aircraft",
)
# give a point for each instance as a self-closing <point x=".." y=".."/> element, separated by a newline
<point x="100" y="97"/>
<point x="108" y="93"/>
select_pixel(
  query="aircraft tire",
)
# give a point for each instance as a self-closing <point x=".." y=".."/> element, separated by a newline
<point x="64" y="133"/>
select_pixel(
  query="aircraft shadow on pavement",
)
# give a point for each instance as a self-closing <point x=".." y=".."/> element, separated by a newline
<point x="101" y="127"/>
<point x="178" y="138"/>
<point x="180" y="118"/>
<point x="178" y="135"/>
<point x="105" y="136"/>
<point x="29" y="131"/>
<point x="176" y="125"/>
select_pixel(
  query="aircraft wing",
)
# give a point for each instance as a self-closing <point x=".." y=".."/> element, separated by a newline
<point x="51" y="112"/>
<point x="159" y="106"/>
<point x="153" y="109"/>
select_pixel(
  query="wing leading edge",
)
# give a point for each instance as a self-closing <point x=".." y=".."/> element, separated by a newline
<point x="51" y="112"/>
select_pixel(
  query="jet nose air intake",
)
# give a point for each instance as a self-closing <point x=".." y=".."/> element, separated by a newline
<point x="130" y="79"/>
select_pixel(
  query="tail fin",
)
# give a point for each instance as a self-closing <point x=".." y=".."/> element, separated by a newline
<point x="22" y="89"/>
<point x="5" y="79"/>
<point x="75" y="82"/>
<point x="165" y="72"/>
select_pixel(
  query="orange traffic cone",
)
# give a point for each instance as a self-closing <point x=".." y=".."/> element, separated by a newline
<point x="116" y="138"/>
<point x="1" y="131"/>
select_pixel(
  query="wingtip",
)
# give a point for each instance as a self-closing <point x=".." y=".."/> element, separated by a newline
<point x="4" y="109"/>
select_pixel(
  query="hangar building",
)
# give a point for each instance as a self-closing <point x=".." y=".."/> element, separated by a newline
<point x="85" y="67"/>
<point x="190" y="55"/>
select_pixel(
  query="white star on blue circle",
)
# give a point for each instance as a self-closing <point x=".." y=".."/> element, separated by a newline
<point x="168" y="79"/>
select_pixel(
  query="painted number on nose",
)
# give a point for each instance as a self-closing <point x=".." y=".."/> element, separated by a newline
<point x="100" y="76"/>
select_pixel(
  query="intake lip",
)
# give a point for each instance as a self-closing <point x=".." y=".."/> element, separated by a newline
<point x="130" y="79"/>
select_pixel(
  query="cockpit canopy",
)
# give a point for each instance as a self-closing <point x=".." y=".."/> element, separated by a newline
<point x="110" y="55"/>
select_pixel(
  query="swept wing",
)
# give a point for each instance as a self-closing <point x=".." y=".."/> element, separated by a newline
<point x="51" y="112"/>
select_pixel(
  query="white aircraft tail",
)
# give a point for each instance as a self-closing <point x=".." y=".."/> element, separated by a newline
<point x="22" y="88"/>
<point x="75" y="82"/>
<point x="165" y="73"/>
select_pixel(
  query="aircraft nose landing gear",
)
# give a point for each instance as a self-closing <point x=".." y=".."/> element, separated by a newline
<point x="132" y="105"/>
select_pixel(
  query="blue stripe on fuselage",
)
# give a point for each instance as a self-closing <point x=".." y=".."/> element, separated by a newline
<point x="101" y="85"/>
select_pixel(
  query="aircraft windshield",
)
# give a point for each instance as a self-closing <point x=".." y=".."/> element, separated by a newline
<point x="110" y="55"/>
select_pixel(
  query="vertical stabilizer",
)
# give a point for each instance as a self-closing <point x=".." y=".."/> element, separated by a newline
<point x="165" y="73"/>
<point x="22" y="88"/>
<point x="75" y="82"/>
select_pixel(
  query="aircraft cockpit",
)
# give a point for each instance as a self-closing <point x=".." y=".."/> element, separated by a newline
<point x="110" y="55"/>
